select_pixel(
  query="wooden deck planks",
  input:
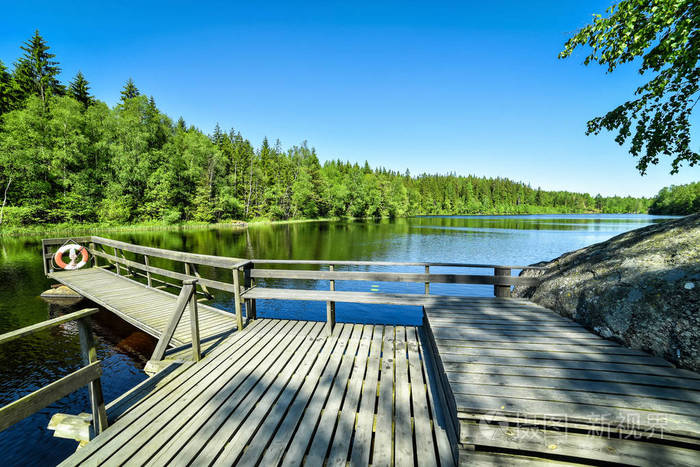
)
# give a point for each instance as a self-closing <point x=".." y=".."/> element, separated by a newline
<point x="281" y="392"/>
<point x="146" y="308"/>
<point x="522" y="362"/>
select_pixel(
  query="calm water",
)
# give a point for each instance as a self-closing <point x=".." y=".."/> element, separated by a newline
<point x="31" y="362"/>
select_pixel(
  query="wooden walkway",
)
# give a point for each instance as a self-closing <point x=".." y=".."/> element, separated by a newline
<point x="520" y="377"/>
<point x="283" y="393"/>
<point x="147" y="308"/>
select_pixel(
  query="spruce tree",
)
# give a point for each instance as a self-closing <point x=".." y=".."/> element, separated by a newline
<point x="36" y="71"/>
<point x="7" y="91"/>
<point x="79" y="89"/>
<point x="130" y="90"/>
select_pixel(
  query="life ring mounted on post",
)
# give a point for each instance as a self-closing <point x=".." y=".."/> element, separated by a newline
<point x="74" y="251"/>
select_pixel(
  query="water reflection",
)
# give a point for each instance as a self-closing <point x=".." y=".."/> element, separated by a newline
<point x="31" y="362"/>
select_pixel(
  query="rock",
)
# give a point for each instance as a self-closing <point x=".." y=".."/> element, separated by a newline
<point x="61" y="295"/>
<point x="640" y="288"/>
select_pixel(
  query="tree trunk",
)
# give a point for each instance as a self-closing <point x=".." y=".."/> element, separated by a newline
<point x="4" y="199"/>
<point x="250" y="188"/>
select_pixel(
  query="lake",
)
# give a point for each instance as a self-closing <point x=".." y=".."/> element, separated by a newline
<point x="31" y="362"/>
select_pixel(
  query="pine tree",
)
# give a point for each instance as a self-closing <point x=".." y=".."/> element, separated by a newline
<point x="79" y="89"/>
<point x="36" y="72"/>
<point x="130" y="90"/>
<point x="7" y="91"/>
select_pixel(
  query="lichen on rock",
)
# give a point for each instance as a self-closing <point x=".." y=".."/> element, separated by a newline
<point x="641" y="288"/>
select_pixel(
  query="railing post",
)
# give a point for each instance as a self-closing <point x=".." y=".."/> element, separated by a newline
<point x="330" y="308"/>
<point x="116" y="260"/>
<point x="94" y="256"/>
<point x="89" y="354"/>
<point x="147" y="262"/>
<point x="44" y="260"/>
<point x="194" y="325"/>
<point x="501" y="290"/>
<point x="250" y="311"/>
<point x="427" y="283"/>
<point x="237" y="298"/>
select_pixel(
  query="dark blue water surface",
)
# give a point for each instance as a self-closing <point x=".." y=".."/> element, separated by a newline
<point x="32" y="362"/>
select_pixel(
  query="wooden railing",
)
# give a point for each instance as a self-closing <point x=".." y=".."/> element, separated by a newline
<point x="139" y="265"/>
<point x="88" y="375"/>
<point x="185" y="299"/>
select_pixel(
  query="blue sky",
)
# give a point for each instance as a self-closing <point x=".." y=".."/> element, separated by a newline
<point x="464" y="87"/>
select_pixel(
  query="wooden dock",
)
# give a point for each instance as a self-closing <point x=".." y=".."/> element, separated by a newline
<point x="281" y="392"/>
<point x="520" y="377"/>
<point x="146" y="308"/>
<point x="484" y="380"/>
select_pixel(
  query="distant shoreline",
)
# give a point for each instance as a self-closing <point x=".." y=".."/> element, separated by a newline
<point x="93" y="228"/>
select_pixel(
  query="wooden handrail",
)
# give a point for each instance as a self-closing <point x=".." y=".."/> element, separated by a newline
<point x="392" y="277"/>
<point x="501" y="279"/>
<point x="389" y="263"/>
<point x="34" y="328"/>
<point x="88" y="375"/>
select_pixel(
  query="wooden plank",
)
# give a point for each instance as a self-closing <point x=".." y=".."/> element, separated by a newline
<point x="186" y="436"/>
<point x="324" y="296"/>
<point x="403" y="436"/>
<point x="41" y="398"/>
<point x="387" y="263"/>
<point x="420" y="402"/>
<point x="443" y="423"/>
<point x="593" y="347"/>
<point x="204" y="260"/>
<point x="297" y="274"/>
<point x="505" y="324"/>
<point x="617" y="399"/>
<point x="236" y="432"/>
<point x="585" y="355"/>
<point x="134" y="396"/>
<point x="469" y="458"/>
<point x="324" y="432"/>
<point x="34" y="328"/>
<point x="275" y="450"/>
<point x="383" y="453"/>
<point x="340" y="446"/>
<point x="469" y="331"/>
<point x="173" y="418"/>
<point x="130" y="424"/>
<point x="214" y="284"/>
<point x="262" y="423"/>
<point x="566" y="384"/>
<point x="587" y="375"/>
<point x="466" y="360"/>
<point x="362" y="441"/>
<point x="587" y="447"/>
<point x="582" y="413"/>
<point x="302" y="437"/>
<point x="167" y="335"/>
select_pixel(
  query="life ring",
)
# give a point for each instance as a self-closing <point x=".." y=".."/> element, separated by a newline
<point x="73" y="250"/>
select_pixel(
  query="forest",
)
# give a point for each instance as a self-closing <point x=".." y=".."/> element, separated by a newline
<point x="68" y="157"/>
<point x="677" y="200"/>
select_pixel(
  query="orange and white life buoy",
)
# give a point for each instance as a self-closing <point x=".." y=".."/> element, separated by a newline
<point x="73" y="251"/>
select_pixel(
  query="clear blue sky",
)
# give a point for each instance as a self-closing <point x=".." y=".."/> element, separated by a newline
<point x="464" y="87"/>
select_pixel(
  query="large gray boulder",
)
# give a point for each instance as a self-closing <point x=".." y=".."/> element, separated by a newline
<point x="641" y="288"/>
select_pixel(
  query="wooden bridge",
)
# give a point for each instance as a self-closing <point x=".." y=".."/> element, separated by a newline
<point x="485" y="380"/>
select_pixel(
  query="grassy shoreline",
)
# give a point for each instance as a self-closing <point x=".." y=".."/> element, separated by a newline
<point x="94" y="228"/>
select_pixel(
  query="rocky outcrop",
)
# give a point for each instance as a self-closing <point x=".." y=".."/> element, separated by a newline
<point x="641" y="288"/>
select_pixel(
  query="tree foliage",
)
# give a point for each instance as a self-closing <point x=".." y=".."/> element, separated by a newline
<point x="677" y="200"/>
<point x="72" y="158"/>
<point x="79" y="89"/>
<point x="665" y="34"/>
<point x="36" y="72"/>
